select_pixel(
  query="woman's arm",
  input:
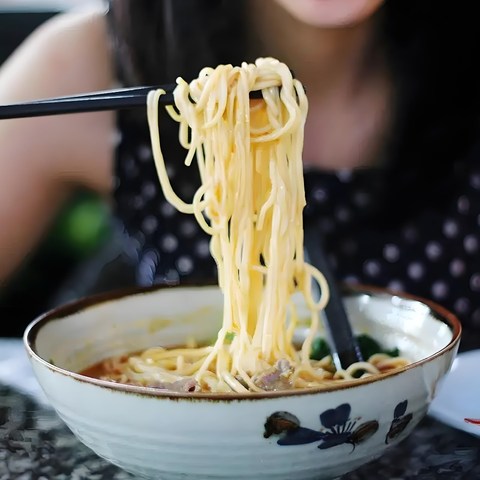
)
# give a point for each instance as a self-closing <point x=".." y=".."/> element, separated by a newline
<point x="42" y="159"/>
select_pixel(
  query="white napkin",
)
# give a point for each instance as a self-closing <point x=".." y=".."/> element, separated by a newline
<point x="16" y="371"/>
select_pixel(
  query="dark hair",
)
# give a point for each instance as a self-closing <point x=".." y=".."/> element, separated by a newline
<point x="159" y="40"/>
<point x="430" y="46"/>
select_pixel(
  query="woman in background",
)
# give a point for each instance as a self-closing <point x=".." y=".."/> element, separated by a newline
<point x="392" y="166"/>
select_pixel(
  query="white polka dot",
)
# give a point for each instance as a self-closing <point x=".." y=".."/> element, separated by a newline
<point x="463" y="205"/>
<point x="475" y="181"/>
<point x="138" y="202"/>
<point x="185" y="265"/>
<point x="149" y="224"/>
<point x="439" y="289"/>
<point x="169" y="243"/>
<point x="167" y="209"/>
<point x="129" y="166"/>
<point x="396" y="286"/>
<point x="457" y="267"/>
<point x="475" y="282"/>
<point x="372" y="268"/>
<point x="144" y="153"/>
<point x="149" y="190"/>
<point x="462" y="305"/>
<point x="202" y="248"/>
<point x="319" y="195"/>
<point x="171" y="171"/>
<point x="188" y="228"/>
<point x="470" y="243"/>
<point x="391" y="252"/>
<point x="361" y="199"/>
<point x="416" y="270"/>
<point x="117" y="138"/>
<point x="434" y="250"/>
<point x="344" y="175"/>
<point x="343" y="214"/>
<point x="450" y="229"/>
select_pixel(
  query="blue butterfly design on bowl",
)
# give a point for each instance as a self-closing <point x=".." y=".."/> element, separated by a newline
<point x="338" y="428"/>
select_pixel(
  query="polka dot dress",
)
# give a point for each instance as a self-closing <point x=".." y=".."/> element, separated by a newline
<point x="171" y="246"/>
<point x="434" y="254"/>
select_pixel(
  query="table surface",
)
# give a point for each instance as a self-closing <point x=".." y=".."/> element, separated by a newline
<point x="36" y="445"/>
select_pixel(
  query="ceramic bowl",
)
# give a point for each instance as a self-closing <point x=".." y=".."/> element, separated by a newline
<point x="308" y="434"/>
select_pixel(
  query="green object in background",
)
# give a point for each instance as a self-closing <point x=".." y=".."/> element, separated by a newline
<point x="80" y="230"/>
<point x="82" y="227"/>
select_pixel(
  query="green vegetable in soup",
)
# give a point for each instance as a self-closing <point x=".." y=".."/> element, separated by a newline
<point x="368" y="347"/>
<point x="229" y="336"/>
<point x="320" y="349"/>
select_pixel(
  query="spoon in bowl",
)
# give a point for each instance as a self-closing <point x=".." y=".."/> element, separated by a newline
<point x="340" y="337"/>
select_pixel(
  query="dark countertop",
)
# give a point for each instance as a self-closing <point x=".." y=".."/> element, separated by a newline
<point x="36" y="445"/>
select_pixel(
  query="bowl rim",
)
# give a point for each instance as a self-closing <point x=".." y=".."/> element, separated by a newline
<point x="29" y="339"/>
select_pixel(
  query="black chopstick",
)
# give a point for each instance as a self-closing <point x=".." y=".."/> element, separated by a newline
<point x="118" y="99"/>
<point x="87" y="102"/>
<point x="340" y="336"/>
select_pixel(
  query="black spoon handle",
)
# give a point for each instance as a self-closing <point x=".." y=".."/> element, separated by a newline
<point x="344" y="346"/>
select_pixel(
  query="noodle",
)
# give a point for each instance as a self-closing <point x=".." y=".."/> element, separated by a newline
<point x="251" y="199"/>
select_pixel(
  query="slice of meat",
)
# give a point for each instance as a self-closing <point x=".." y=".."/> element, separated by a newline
<point x="275" y="378"/>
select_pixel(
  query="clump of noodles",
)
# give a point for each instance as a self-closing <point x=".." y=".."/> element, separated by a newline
<point x="250" y="201"/>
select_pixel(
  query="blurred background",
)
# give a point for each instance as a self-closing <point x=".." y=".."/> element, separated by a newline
<point x="82" y="229"/>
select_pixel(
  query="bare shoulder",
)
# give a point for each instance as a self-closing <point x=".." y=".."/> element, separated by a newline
<point x="59" y="49"/>
<point x="42" y="159"/>
<point x="68" y="54"/>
